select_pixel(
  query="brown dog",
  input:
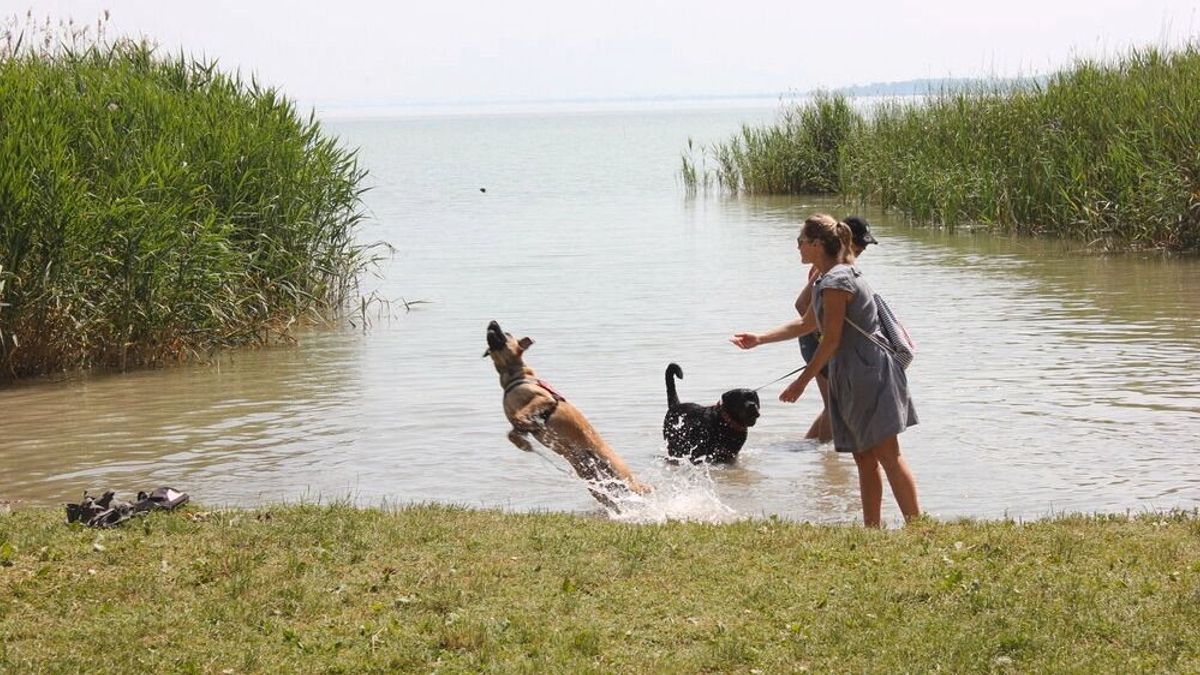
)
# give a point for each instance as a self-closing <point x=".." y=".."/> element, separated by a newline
<point x="534" y="409"/>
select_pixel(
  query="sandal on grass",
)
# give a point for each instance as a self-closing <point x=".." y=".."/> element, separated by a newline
<point x="113" y="516"/>
<point x="161" y="498"/>
<point x="86" y="509"/>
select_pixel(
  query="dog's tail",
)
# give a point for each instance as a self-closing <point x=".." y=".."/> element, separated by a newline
<point x="673" y="371"/>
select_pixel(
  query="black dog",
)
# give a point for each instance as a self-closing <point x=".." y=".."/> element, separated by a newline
<point x="714" y="433"/>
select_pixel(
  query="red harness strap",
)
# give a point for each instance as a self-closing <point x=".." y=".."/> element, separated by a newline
<point x="553" y="392"/>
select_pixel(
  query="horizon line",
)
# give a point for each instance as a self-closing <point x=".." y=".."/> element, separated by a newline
<point x="851" y="90"/>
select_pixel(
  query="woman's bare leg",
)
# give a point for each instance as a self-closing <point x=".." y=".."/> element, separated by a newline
<point x="900" y="477"/>
<point x="870" y="487"/>
<point x="821" y="428"/>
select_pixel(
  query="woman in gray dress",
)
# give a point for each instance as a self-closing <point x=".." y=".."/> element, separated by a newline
<point x="861" y="237"/>
<point x="869" y="403"/>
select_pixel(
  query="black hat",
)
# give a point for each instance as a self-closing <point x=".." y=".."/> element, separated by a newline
<point x="860" y="230"/>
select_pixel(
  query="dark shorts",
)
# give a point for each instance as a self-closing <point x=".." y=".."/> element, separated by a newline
<point x="808" y="346"/>
<point x="808" y="349"/>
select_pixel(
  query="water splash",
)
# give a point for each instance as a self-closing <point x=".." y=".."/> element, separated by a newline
<point x="681" y="491"/>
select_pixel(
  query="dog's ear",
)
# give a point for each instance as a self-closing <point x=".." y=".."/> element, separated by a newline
<point x="525" y="343"/>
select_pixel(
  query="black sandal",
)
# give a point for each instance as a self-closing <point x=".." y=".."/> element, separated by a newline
<point x="112" y="517"/>
<point x="86" y="509"/>
<point x="161" y="498"/>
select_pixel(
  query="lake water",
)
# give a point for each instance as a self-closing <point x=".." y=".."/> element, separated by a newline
<point x="1047" y="379"/>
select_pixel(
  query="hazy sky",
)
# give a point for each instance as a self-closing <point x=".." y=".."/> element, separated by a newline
<point x="359" y="51"/>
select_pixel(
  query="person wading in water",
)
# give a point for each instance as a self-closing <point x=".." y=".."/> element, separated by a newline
<point x="869" y="403"/>
<point x="861" y="237"/>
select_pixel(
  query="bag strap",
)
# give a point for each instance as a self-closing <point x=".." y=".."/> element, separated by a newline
<point x="885" y="347"/>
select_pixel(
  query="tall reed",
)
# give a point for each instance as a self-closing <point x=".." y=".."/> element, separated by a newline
<point x="153" y="208"/>
<point x="1103" y="151"/>
<point x="798" y="154"/>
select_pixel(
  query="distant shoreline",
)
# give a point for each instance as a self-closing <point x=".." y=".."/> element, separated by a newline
<point x="453" y="107"/>
<point x="547" y="106"/>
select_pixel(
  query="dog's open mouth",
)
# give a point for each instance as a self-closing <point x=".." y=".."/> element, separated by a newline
<point x="496" y="338"/>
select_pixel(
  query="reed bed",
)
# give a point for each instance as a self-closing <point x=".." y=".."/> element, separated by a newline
<point x="154" y="208"/>
<point x="1103" y="152"/>
<point x="799" y="154"/>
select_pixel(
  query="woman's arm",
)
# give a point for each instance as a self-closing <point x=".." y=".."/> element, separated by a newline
<point x="788" y="331"/>
<point x="834" y="300"/>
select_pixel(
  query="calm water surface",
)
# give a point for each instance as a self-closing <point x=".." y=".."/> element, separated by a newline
<point x="1047" y="380"/>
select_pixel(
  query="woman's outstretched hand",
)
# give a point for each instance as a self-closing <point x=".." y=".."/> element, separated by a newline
<point x="746" y="340"/>
<point x="793" y="391"/>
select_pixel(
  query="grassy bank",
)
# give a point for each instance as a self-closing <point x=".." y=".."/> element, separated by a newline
<point x="1104" y="152"/>
<point x="154" y="208"/>
<point x="334" y="589"/>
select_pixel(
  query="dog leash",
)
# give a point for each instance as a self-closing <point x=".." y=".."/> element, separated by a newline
<point x="781" y="377"/>
<point x="549" y="461"/>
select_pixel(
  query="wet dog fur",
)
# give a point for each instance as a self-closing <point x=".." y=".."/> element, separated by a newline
<point x="534" y="410"/>
<point x="714" y="433"/>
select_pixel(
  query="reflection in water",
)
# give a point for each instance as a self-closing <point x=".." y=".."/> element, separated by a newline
<point x="253" y="416"/>
<point x="1047" y="379"/>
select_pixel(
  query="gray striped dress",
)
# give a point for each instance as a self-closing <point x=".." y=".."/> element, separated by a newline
<point x="868" y="390"/>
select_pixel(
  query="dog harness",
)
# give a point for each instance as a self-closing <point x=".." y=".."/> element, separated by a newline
<point x="539" y="383"/>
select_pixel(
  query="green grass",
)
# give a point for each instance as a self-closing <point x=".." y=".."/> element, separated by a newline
<point x="154" y="208"/>
<point x="1103" y="152"/>
<point x="336" y="589"/>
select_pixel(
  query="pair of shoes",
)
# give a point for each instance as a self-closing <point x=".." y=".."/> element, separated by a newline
<point x="104" y="512"/>
<point x="88" y="507"/>
<point x="100" y="512"/>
